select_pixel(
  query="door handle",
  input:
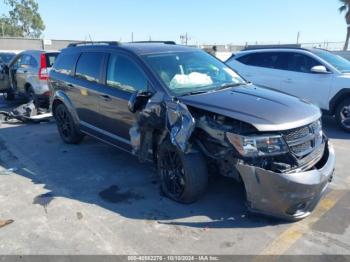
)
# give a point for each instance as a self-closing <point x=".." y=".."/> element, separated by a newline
<point x="70" y="85"/>
<point x="289" y="80"/>
<point x="106" y="97"/>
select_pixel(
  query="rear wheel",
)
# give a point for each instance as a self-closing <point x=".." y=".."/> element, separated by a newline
<point x="69" y="132"/>
<point x="184" y="177"/>
<point x="343" y="114"/>
<point x="31" y="96"/>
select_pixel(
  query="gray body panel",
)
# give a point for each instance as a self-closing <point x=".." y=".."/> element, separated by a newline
<point x="266" y="110"/>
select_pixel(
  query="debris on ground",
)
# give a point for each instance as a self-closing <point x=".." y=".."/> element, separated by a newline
<point x="9" y="171"/>
<point x="27" y="113"/>
<point x="4" y="223"/>
<point x="80" y="216"/>
<point x="44" y="200"/>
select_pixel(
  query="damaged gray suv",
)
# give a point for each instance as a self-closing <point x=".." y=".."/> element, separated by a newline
<point x="194" y="116"/>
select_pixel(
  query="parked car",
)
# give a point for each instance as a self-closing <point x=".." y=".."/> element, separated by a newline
<point x="5" y="59"/>
<point x="312" y="74"/>
<point x="28" y="75"/>
<point x="194" y="116"/>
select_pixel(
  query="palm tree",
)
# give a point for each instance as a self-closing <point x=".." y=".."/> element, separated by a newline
<point x="346" y="8"/>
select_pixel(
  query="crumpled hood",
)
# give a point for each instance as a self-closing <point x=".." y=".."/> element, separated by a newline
<point x="265" y="109"/>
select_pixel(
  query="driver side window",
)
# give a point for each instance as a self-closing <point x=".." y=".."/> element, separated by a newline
<point x="301" y="63"/>
<point x="125" y="75"/>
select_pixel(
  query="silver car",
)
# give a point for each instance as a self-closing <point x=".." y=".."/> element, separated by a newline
<point x="28" y="75"/>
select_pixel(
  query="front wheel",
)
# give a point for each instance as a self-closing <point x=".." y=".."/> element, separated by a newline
<point x="343" y="115"/>
<point x="184" y="177"/>
<point x="68" y="130"/>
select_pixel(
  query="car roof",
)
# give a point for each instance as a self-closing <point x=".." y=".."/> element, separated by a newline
<point x="7" y="53"/>
<point x="38" y="52"/>
<point x="264" y="50"/>
<point x="136" y="48"/>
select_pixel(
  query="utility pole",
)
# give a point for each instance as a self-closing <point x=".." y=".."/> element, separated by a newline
<point x="298" y="37"/>
<point x="184" y="39"/>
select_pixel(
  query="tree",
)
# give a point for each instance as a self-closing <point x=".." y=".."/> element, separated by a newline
<point x="23" y="19"/>
<point x="346" y="8"/>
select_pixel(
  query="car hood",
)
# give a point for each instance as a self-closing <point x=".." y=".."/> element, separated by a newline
<point x="265" y="109"/>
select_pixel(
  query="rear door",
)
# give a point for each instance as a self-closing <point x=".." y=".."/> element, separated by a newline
<point x="82" y="91"/>
<point x="124" y="76"/>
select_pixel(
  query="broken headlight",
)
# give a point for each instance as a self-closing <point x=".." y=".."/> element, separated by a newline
<point x="255" y="146"/>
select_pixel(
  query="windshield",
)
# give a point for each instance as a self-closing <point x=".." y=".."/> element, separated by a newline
<point x="338" y="62"/>
<point x="190" y="72"/>
<point x="6" y="58"/>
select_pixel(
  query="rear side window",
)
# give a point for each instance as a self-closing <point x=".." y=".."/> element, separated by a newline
<point x="50" y="59"/>
<point x="65" y="63"/>
<point x="28" y="60"/>
<point x="275" y="60"/>
<point x="89" y="66"/>
<point x="124" y="74"/>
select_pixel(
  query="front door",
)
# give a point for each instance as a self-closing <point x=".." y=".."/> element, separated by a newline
<point x="301" y="82"/>
<point x="124" y="77"/>
<point x="4" y="77"/>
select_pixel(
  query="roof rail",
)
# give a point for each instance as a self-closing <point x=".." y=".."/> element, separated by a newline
<point x="111" y="43"/>
<point x="155" y="42"/>
<point x="257" y="47"/>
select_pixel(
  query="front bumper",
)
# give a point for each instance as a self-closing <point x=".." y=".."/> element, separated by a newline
<point x="289" y="196"/>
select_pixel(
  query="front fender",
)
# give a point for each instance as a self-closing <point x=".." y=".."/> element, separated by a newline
<point x="64" y="99"/>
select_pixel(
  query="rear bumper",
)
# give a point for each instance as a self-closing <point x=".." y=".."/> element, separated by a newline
<point x="289" y="196"/>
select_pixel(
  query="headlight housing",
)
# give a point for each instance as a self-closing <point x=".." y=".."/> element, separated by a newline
<point x="255" y="146"/>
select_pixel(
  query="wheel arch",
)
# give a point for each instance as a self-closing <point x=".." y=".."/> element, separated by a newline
<point x="338" y="98"/>
<point x="61" y="98"/>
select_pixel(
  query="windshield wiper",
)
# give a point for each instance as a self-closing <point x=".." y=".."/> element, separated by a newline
<point x="225" y="86"/>
<point x="197" y="92"/>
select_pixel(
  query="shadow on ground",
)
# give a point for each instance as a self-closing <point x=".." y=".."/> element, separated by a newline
<point x="99" y="174"/>
<point x="332" y="130"/>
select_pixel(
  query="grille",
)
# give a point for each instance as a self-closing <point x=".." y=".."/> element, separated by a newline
<point x="303" y="141"/>
<point x="297" y="133"/>
<point x="302" y="148"/>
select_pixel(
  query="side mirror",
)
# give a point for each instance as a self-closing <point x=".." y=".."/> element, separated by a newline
<point x="320" y="69"/>
<point x="138" y="101"/>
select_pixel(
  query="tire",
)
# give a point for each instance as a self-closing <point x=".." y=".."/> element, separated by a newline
<point x="342" y="114"/>
<point x="31" y="96"/>
<point x="186" y="178"/>
<point x="69" y="132"/>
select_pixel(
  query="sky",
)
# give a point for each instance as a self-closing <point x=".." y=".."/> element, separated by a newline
<point x="205" y="21"/>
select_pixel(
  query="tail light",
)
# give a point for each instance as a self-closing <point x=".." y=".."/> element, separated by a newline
<point x="43" y="72"/>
